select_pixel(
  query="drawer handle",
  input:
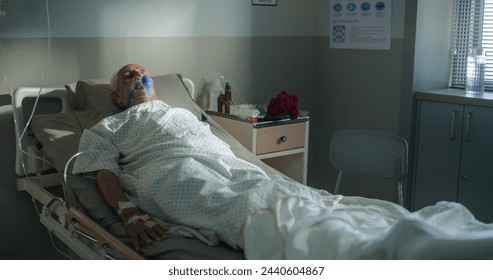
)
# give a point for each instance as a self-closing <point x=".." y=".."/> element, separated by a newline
<point x="468" y="124"/>
<point x="283" y="139"/>
<point x="452" y="125"/>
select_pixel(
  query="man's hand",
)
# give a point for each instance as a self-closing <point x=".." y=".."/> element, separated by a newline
<point x="140" y="226"/>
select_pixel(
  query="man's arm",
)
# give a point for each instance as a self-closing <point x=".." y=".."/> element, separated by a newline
<point x="137" y="224"/>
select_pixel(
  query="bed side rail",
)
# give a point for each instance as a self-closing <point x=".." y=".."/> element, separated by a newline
<point x="84" y="236"/>
<point x="102" y="238"/>
<point x="37" y="186"/>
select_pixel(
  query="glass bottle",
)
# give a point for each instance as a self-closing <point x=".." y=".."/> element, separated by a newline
<point x="476" y="64"/>
<point x="227" y="98"/>
<point x="221" y="102"/>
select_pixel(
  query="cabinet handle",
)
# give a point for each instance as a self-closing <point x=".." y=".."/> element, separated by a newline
<point x="452" y="125"/>
<point x="283" y="139"/>
<point x="468" y="122"/>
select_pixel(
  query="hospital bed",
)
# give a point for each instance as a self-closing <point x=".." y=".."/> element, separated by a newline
<point x="72" y="207"/>
<point x="74" y="210"/>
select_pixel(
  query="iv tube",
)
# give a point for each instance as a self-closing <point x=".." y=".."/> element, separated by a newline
<point x="20" y="135"/>
<point x="26" y="125"/>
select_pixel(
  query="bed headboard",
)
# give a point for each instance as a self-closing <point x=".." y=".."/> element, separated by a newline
<point x="63" y="113"/>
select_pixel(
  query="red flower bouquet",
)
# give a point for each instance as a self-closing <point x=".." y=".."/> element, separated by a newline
<point x="284" y="104"/>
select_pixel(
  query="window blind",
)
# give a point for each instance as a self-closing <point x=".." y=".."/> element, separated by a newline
<point x="472" y="27"/>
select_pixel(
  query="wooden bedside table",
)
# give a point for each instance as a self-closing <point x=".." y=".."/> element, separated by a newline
<point x="282" y="144"/>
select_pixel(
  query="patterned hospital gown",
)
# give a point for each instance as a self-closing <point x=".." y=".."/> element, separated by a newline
<point x="173" y="167"/>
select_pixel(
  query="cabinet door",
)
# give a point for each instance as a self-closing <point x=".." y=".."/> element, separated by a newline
<point x="476" y="173"/>
<point x="438" y="147"/>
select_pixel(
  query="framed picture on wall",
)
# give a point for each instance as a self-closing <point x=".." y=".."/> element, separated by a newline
<point x="264" y="2"/>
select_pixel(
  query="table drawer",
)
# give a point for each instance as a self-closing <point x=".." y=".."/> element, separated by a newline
<point x="279" y="138"/>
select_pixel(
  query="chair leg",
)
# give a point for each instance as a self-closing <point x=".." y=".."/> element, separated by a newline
<point x="401" y="195"/>
<point x="338" y="183"/>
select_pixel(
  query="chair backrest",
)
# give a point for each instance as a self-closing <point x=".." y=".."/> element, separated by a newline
<point x="370" y="154"/>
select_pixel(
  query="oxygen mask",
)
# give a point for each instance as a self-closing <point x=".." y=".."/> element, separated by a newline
<point x="148" y="86"/>
<point x="141" y="87"/>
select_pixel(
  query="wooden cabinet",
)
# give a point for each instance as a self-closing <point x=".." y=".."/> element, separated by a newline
<point x="282" y="145"/>
<point x="454" y="151"/>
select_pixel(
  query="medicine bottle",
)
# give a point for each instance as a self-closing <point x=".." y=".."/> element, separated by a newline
<point x="221" y="102"/>
<point x="227" y="96"/>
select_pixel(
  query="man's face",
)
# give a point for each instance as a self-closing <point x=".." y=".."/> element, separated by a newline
<point x="128" y="78"/>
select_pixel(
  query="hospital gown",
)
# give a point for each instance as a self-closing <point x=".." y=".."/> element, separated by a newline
<point x="172" y="166"/>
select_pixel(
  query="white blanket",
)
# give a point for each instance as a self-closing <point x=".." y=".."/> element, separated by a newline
<point x="175" y="169"/>
<point x="362" y="228"/>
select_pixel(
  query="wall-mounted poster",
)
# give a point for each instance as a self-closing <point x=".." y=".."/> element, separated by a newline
<point x="360" y="24"/>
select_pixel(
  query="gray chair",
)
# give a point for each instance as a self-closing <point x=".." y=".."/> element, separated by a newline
<point x="370" y="154"/>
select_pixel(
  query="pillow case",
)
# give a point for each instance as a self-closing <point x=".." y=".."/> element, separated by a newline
<point x="59" y="134"/>
<point x="93" y="95"/>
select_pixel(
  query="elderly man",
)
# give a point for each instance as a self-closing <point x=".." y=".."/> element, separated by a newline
<point x="128" y="91"/>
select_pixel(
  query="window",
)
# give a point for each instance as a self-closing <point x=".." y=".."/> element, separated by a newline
<point x="472" y="27"/>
